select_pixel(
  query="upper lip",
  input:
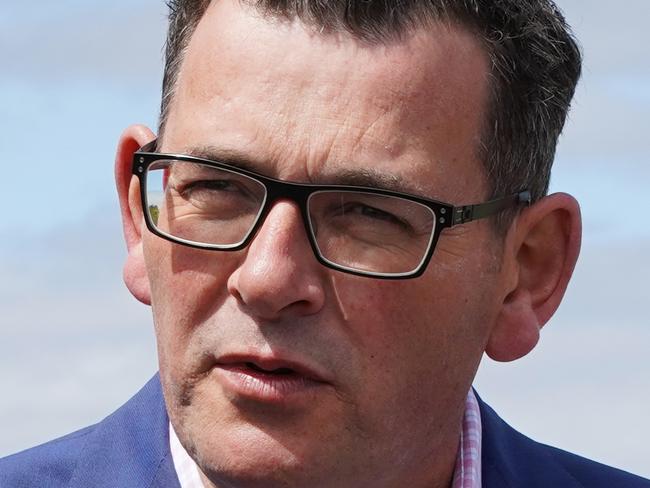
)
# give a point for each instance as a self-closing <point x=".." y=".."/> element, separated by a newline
<point x="270" y="363"/>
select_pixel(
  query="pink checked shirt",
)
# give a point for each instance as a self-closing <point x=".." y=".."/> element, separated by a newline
<point x="468" y="463"/>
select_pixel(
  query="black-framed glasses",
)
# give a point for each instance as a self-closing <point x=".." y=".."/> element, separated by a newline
<point x="363" y="231"/>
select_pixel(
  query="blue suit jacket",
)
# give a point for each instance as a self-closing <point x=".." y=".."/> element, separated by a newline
<point x="130" y="449"/>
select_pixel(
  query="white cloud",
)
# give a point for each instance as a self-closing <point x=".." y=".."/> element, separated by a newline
<point x="74" y="75"/>
<point x="608" y="122"/>
<point x="614" y="35"/>
<point x="105" y="42"/>
<point x="585" y="389"/>
<point x="73" y="343"/>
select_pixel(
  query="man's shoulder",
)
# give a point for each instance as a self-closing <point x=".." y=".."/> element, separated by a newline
<point x="594" y="474"/>
<point x="128" y="448"/>
<point x="510" y="459"/>
<point x="51" y="464"/>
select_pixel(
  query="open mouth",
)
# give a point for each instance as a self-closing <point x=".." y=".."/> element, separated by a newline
<point x="274" y="372"/>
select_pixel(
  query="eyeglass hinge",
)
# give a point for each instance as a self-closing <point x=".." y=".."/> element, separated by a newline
<point x="463" y="214"/>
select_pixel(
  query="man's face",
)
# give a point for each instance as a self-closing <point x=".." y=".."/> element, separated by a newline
<point x="377" y="371"/>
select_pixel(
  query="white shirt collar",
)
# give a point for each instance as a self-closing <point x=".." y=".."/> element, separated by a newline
<point x="186" y="469"/>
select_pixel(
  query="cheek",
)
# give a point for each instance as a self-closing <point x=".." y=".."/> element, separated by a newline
<point x="187" y="286"/>
<point x="429" y="331"/>
<point x="418" y="345"/>
<point x="398" y="320"/>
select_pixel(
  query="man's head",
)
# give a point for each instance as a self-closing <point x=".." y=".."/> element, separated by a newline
<point x="278" y="371"/>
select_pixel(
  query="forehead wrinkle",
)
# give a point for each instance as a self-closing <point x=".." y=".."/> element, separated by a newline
<point x="369" y="132"/>
<point x="298" y="143"/>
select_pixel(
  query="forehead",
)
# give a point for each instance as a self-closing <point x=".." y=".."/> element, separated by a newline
<point x="304" y="105"/>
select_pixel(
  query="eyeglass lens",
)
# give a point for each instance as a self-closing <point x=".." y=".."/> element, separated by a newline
<point x="361" y="231"/>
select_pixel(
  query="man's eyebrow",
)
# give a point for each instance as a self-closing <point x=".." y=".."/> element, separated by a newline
<point x="366" y="177"/>
<point x="376" y="179"/>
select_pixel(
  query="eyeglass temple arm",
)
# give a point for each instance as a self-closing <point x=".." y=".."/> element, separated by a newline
<point x="463" y="214"/>
<point x="467" y="213"/>
<point x="149" y="147"/>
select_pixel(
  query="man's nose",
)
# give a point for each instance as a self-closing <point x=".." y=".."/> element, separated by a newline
<point x="279" y="275"/>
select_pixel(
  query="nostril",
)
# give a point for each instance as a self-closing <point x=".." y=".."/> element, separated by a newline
<point x="235" y="293"/>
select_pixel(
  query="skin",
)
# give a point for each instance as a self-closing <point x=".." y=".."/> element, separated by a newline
<point x="399" y="356"/>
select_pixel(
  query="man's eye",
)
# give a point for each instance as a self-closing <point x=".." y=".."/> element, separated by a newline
<point x="373" y="213"/>
<point x="209" y="185"/>
<point x="209" y="190"/>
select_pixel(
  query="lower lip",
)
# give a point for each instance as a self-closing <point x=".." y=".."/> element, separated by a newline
<point x="263" y="387"/>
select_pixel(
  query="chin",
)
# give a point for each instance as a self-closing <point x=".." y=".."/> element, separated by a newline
<point x="249" y="445"/>
<point x="245" y="456"/>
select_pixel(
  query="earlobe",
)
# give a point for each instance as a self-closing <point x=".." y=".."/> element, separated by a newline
<point x="516" y="332"/>
<point x="135" y="273"/>
<point x="540" y="254"/>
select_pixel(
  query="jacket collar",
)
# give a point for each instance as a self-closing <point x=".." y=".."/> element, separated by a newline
<point x="512" y="460"/>
<point x="130" y="447"/>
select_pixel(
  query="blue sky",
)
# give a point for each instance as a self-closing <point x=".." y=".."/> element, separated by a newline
<point x="76" y="73"/>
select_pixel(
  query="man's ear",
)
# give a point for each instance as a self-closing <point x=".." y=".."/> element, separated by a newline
<point x="540" y="253"/>
<point x="128" y="189"/>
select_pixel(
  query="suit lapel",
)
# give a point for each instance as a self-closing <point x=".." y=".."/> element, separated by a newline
<point x="130" y="447"/>
<point x="511" y="460"/>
